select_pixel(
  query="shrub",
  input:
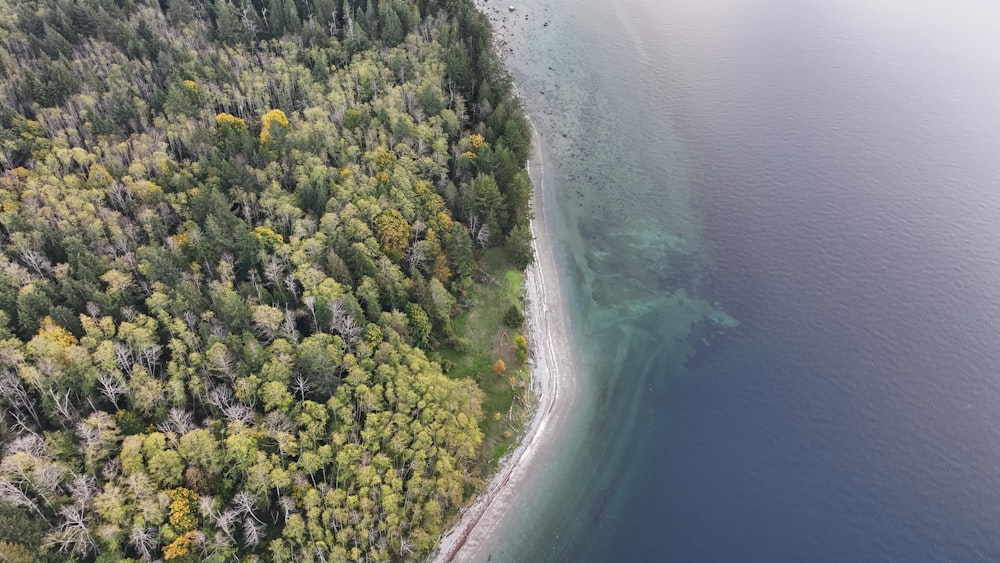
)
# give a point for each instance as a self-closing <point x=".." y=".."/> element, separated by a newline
<point x="521" y="345"/>
<point x="513" y="317"/>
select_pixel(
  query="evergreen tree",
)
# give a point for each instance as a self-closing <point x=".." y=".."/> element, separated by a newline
<point x="231" y="243"/>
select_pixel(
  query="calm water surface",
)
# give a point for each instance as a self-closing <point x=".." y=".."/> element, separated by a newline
<point x="781" y="224"/>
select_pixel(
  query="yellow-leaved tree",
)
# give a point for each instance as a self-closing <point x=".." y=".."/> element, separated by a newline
<point x="393" y="233"/>
<point x="274" y="126"/>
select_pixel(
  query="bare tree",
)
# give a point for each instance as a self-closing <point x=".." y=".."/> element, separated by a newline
<point x="416" y="257"/>
<point x="337" y="314"/>
<point x="227" y="522"/>
<point x="248" y="22"/>
<point x="222" y="398"/>
<point x="274" y="272"/>
<point x="288" y="329"/>
<point x="190" y="319"/>
<point x="351" y="331"/>
<point x="301" y="386"/>
<point x="21" y="421"/>
<point x="178" y="421"/>
<point x="120" y="197"/>
<point x="253" y="532"/>
<point x="474" y="224"/>
<point x="320" y="554"/>
<point x="217" y="329"/>
<point x="30" y="474"/>
<point x="483" y="236"/>
<point x="112" y="386"/>
<point x="150" y="354"/>
<point x="129" y="312"/>
<point x="63" y="405"/>
<point x="263" y="16"/>
<point x="292" y="286"/>
<point x="310" y="302"/>
<point x="224" y="364"/>
<point x="206" y="505"/>
<point x="245" y="504"/>
<point x="15" y="394"/>
<point x="47" y="476"/>
<point x="12" y="494"/>
<point x="112" y="468"/>
<point x="405" y="546"/>
<point x="287" y="505"/>
<point x="140" y="485"/>
<point x="83" y="489"/>
<point x="37" y="262"/>
<point x="123" y="356"/>
<point x="89" y="434"/>
<point x="278" y="422"/>
<point x="93" y="310"/>
<point x="255" y="283"/>
<point x="72" y="535"/>
<point x="18" y="273"/>
<point x="31" y="444"/>
<point x="143" y="541"/>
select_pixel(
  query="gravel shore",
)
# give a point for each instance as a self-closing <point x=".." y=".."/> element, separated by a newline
<point x="553" y="381"/>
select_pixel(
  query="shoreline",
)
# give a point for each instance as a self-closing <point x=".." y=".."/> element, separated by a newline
<point x="553" y="381"/>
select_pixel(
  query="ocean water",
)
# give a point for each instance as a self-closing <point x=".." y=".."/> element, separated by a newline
<point x="780" y="225"/>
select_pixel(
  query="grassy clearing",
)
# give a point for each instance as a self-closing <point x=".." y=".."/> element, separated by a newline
<point x="487" y="340"/>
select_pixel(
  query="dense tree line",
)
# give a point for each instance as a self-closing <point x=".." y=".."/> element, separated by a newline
<point x="231" y="232"/>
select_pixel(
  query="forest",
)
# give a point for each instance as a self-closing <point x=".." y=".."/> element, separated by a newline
<point x="234" y="237"/>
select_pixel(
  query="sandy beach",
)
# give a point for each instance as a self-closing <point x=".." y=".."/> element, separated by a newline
<point x="553" y="381"/>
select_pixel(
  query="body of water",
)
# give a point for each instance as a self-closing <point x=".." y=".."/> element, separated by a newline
<point x="781" y="225"/>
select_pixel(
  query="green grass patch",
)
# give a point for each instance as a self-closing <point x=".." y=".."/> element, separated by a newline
<point x="487" y="339"/>
<point x="500" y="450"/>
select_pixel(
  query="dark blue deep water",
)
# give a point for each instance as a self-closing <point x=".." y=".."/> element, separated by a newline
<point x="828" y="175"/>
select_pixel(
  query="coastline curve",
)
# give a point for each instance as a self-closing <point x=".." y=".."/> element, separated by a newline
<point x="553" y="379"/>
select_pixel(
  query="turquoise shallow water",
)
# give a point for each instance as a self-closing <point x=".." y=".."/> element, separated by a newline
<point x="633" y="249"/>
<point x="778" y="224"/>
